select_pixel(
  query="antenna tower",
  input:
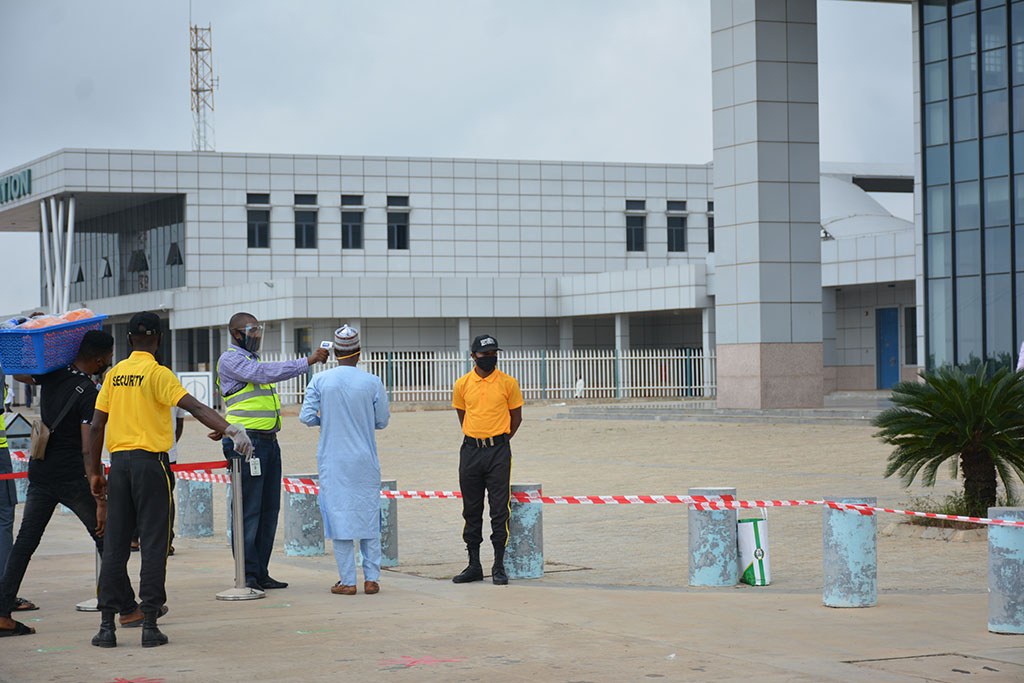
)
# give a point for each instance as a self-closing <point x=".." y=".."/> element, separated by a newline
<point x="202" y="86"/>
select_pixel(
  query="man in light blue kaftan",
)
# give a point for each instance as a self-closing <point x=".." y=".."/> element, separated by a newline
<point x="348" y="404"/>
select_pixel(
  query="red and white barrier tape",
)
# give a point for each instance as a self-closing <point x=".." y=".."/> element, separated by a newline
<point x="202" y="472"/>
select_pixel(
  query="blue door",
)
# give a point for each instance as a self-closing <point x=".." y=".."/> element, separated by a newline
<point x="887" y="347"/>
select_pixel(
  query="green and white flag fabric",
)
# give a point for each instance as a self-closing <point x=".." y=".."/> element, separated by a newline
<point x="752" y="538"/>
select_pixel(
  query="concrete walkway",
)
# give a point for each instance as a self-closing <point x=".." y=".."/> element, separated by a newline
<point x="612" y="606"/>
<point x="429" y="629"/>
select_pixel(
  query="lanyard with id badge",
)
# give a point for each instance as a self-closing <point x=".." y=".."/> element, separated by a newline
<point x="255" y="469"/>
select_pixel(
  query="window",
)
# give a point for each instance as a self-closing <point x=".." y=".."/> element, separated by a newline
<point x="636" y="205"/>
<point x="138" y="262"/>
<point x="107" y="272"/>
<point x="396" y="200"/>
<point x="677" y="233"/>
<point x="711" y="227"/>
<point x="263" y="199"/>
<point x="305" y="229"/>
<point x="636" y="226"/>
<point x="174" y="255"/>
<point x="910" y="335"/>
<point x="259" y="229"/>
<point x="675" y="209"/>
<point x="398" y="230"/>
<point x="351" y="200"/>
<point x="303" y="341"/>
<point x="352" y="229"/>
<point x="81" y="275"/>
<point x="305" y="199"/>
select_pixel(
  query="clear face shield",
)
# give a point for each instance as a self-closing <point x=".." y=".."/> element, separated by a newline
<point x="250" y="337"/>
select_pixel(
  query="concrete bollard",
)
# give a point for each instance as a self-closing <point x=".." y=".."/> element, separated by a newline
<point x="388" y="526"/>
<point x="303" y="523"/>
<point x="1006" y="572"/>
<point x="20" y="485"/>
<point x="524" y="554"/>
<point x="712" y="542"/>
<point x="195" y="509"/>
<point x="850" y="556"/>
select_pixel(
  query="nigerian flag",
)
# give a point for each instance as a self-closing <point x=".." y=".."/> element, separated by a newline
<point x="752" y="538"/>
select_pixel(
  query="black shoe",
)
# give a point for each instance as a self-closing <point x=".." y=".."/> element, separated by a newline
<point x="473" y="571"/>
<point x="254" y="584"/>
<point x="106" y="637"/>
<point x="498" y="575"/>
<point x="269" y="583"/>
<point x="152" y="636"/>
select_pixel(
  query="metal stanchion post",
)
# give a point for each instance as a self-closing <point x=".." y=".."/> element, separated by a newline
<point x="240" y="591"/>
<point x="91" y="605"/>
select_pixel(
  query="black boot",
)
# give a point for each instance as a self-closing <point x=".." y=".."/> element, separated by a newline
<point x="106" y="637"/>
<point x="151" y="634"/>
<point x="498" y="575"/>
<point x="473" y="572"/>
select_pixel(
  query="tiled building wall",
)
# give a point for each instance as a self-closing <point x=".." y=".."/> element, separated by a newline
<point x="855" y="331"/>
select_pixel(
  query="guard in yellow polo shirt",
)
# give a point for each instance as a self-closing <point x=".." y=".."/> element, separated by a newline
<point x="131" y="411"/>
<point x="490" y="409"/>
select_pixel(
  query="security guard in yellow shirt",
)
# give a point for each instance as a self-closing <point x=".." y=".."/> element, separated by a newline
<point x="131" y="412"/>
<point x="490" y="409"/>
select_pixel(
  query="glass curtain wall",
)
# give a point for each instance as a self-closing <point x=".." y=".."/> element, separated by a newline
<point x="972" y="100"/>
<point x="139" y="249"/>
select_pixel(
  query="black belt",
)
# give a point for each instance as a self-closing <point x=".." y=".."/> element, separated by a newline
<point x="265" y="436"/>
<point x="485" y="443"/>
<point x="137" y="451"/>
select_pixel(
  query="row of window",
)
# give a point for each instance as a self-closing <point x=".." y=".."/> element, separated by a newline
<point x="258" y="233"/>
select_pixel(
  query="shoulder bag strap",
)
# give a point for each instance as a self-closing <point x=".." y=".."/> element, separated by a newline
<point x="80" y="388"/>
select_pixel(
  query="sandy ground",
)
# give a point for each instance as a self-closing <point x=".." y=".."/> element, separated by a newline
<point x="643" y="545"/>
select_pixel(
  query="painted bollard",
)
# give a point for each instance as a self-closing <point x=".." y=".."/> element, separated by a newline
<point x="712" y="541"/>
<point x="1006" y="572"/>
<point x="524" y="554"/>
<point x="195" y="509"/>
<point x="20" y="485"/>
<point x="388" y="525"/>
<point x="850" y="555"/>
<point x="303" y="523"/>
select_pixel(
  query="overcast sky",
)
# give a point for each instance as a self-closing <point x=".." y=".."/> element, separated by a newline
<point x="591" y="80"/>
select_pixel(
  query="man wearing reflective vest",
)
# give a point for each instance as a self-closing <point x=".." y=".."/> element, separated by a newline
<point x="247" y="388"/>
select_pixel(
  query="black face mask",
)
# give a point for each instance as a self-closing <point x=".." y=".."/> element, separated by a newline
<point x="487" y="363"/>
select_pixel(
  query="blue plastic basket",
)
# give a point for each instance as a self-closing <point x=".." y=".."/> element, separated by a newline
<point x="43" y="350"/>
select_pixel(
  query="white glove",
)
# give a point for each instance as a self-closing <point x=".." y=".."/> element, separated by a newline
<point x="242" y="444"/>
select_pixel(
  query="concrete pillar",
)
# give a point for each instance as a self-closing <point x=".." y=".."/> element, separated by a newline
<point x="565" y="334"/>
<point x="303" y="523"/>
<point x="622" y="382"/>
<point x="1006" y="572"/>
<point x="524" y="555"/>
<point x="464" y="339"/>
<point x="767" y="204"/>
<point x="709" y="344"/>
<point x="388" y="526"/>
<point x="195" y="508"/>
<point x="173" y="361"/>
<point x="829" y="356"/>
<point x="288" y="349"/>
<point x="850" y="556"/>
<point x="712" y="542"/>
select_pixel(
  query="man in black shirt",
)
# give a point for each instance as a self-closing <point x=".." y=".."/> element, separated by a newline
<point x="59" y="476"/>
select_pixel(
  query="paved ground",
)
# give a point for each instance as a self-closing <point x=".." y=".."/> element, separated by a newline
<point x="614" y="604"/>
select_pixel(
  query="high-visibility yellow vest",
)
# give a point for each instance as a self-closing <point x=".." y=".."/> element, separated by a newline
<point x="254" y="406"/>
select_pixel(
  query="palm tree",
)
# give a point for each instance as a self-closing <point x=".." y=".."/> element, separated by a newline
<point x="974" y="420"/>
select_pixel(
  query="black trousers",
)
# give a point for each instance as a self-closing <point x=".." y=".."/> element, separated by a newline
<point x="485" y="469"/>
<point x="138" y="497"/>
<point x="40" y="501"/>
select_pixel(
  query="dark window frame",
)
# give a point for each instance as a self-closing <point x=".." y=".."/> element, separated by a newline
<point x="306" y="224"/>
<point x="258" y="229"/>
<point x="352" y="228"/>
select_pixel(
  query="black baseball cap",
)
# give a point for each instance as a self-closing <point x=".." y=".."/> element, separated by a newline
<point x="484" y="342"/>
<point x="146" y="323"/>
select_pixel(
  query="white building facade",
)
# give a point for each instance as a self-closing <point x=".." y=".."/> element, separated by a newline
<point x="423" y="254"/>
